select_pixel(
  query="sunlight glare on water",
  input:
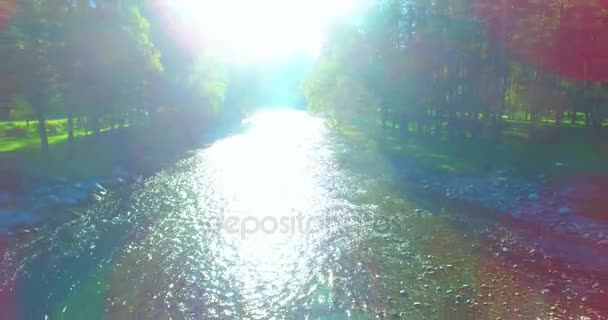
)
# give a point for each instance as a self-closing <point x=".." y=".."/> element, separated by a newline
<point x="162" y="248"/>
<point x="268" y="170"/>
<point x="267" y="177"/>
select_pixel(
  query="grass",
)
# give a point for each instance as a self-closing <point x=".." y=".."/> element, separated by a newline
<point x="20" y="151"/>
<point x="140" y="148"/>
<point x="137" y="147"/>
<point x="28" y="136"/>
<point x="576" y="149"/>
<point x="92" y="156"/>
<point x="89" y="156"/>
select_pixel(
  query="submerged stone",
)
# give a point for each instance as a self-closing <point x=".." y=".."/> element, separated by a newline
<point x="564" y="211"/>
<point x="533" y="196"/>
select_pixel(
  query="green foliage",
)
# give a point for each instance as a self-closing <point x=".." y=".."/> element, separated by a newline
<point x="431" y="67"/>
<point x="208" y="83"/>
<point x="20" y="109"/>
<point x="107" y="65"/>
<point x="337" y="86"/>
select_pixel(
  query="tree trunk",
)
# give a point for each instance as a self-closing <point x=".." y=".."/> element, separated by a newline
<point x="93" y="124"/>
<point x="383" y="116"/>
<point x="596" y="117"/>
<point x="96" y="128"/>
<point x="70" y="128"/>
<point x="559" y="117"/>
<point x="44" y="140"/>
<point x="572" y="116"/>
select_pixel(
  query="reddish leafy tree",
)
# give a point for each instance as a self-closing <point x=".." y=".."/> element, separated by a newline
<point x="563" y="37"/>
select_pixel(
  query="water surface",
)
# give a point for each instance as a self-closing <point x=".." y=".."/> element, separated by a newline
<point x="284" y="221"/>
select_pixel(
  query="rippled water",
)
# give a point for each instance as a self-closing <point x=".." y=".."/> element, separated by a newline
<point x="285" y="220"/>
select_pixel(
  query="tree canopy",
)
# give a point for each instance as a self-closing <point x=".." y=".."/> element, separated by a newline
<point x="105" y="63"/>
<point x="462" y="67"/>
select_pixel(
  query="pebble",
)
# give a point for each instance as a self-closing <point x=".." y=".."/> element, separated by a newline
<point x="564" y="211"/>
<point x="96" y="197"/>
<point x="603" y="242"/>
<point x="393" y="314"/>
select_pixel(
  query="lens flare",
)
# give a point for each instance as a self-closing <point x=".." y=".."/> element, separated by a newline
<point x="254" y="31"/>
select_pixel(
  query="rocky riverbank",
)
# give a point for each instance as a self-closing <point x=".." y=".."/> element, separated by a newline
<point x="562" y="208"/>
<point x="27" y="200"/>
<point x="29" y="208"/>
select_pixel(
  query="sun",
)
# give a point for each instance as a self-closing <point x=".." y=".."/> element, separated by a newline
<point x="254" y="31"/>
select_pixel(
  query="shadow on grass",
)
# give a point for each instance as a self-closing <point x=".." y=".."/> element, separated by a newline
<point x="576" y="151"/>
<point x="139" y="149"/>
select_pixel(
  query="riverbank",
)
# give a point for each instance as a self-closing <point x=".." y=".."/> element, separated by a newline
<point x="436" y="256"/>
<point x="557" y="193"/>
<point x="36" y="185"/>
<point x="568" y="152"/>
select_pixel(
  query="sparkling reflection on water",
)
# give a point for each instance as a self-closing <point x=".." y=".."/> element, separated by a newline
<point x="162" y="249"/>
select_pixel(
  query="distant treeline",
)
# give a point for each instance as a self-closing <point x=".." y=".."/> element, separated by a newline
<point x="463" y="67"/>
<point x="107" y="64"/>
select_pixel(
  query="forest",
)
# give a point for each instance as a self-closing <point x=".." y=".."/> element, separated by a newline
<point x="303" y="159"/>
<point x="517" y="74"/>
<point x="73" y="72"/>
<point x="102" y="65"/>
<point x="503" y="73"/>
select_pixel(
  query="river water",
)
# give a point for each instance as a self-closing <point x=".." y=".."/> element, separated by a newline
<point x="285" y="220"/>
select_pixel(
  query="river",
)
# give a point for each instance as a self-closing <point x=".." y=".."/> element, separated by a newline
<point x="285" y="220"/>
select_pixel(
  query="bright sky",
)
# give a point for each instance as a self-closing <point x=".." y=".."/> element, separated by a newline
<point x="253" y="31"/>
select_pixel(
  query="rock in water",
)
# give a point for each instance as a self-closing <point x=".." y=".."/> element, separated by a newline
<point x="96" y="197"/>
<point x="100" y="188"/>
<point x="564" y="211"/>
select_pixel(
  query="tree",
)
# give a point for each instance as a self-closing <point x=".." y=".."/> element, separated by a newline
<point x="31" y="40"/>
<point x="21" y="110"/>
